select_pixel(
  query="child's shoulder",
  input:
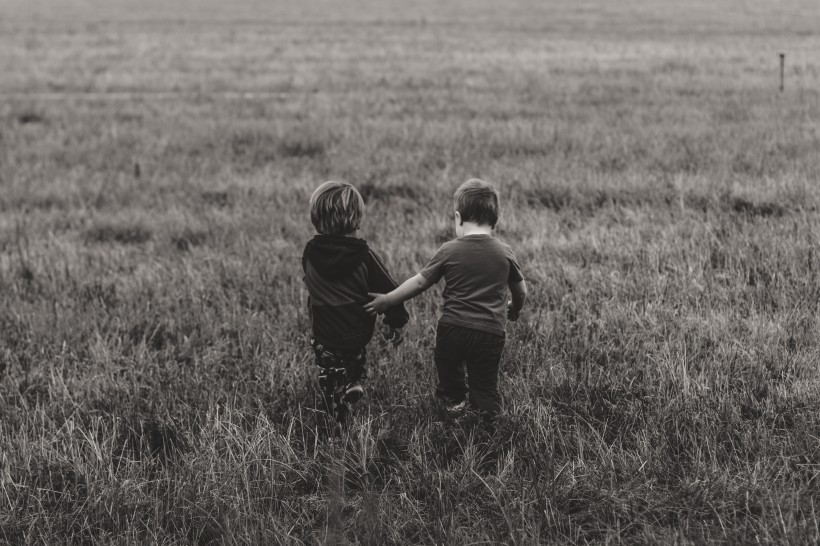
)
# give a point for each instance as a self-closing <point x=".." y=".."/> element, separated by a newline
<point x="374" y="257"/>
<point x="482" y="242"/>
<point x="506" y="246"/>
<point x="500" y="243"/>
<point x="491" y="248"/>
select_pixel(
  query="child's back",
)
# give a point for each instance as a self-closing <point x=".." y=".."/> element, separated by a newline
<point x="339" y="272"/>
<point x="477" y="270"/>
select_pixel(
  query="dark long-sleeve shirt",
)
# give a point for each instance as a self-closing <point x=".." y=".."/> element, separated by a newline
<point x="339" y="271"/>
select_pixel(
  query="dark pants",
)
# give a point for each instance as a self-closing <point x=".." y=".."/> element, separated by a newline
<point x="479" y="352"/>
<point x="337" y="371"/>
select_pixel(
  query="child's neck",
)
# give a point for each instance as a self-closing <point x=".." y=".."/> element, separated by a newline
<point x="471" y="228"/>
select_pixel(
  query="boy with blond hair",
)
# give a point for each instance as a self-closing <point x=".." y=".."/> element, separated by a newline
<point x="339" y="271"/>
<point x="477" y="269"/>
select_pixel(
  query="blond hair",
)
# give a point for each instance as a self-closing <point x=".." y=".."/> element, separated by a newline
<point x="336" y="208"/>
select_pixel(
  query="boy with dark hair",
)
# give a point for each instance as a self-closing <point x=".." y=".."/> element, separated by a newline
<point x="477" y="270"/>
<point x="339" y="271"/>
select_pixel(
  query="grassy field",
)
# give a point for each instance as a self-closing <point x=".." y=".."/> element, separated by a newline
<point x="662" y="196"/>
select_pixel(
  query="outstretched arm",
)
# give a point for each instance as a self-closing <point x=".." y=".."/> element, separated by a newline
<point x="518" y="290"/>
<point x="410" y="288"/>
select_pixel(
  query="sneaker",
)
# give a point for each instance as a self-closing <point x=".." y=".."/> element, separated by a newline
<point x="453" y="409"/>
<point x="353" y="394"/>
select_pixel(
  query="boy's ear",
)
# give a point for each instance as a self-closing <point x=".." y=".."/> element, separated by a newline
<point x="458" y="219"/>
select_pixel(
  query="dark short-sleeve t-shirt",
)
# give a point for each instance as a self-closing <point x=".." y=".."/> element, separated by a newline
<point x="477" y="270"/>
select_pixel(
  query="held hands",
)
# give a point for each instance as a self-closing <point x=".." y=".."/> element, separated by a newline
<point x="378" y="305"/>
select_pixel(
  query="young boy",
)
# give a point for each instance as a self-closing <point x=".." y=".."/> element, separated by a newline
<point x="339" y="271"/>
<point x="477" y="270"/>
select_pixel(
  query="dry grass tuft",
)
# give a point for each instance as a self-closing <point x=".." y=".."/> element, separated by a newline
<point x="126" y="234"/>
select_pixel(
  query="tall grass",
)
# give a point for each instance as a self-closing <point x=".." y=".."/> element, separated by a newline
<point x="661" y="387"/>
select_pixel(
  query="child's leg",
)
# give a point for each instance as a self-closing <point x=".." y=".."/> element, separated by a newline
<point x="449" y="358"/>
<point x="331" y="377"/>
<point x="482" y="372"/>
<point x="355" y="375"/>
<point x="340" y="377"/>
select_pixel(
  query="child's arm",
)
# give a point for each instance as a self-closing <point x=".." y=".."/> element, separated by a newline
<point x="381" y="282"/>
<point x="518" y="290"/>
<point x="410" y="288"/>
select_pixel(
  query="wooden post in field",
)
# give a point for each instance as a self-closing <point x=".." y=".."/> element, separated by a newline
<point x="782" y="69"/>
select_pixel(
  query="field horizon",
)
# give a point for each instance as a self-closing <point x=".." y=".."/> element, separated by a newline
<point x="659" y="190"/>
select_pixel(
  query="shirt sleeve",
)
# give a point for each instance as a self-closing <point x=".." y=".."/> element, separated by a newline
<point x="515" y="275"/>
<point x="381" y="281"/>
<point x="434" y="269"/>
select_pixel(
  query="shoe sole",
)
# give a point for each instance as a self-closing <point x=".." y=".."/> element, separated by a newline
<point x="354" y="395"/>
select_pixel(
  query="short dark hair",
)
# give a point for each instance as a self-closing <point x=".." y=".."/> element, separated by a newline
<point x="477" y="201"/>
<point x="336" y="208"/>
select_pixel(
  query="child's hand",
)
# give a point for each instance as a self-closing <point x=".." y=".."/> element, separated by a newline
<point x="379" y="304"/>
<point x="393" y="335"/>
<point x="511" y="313"/>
